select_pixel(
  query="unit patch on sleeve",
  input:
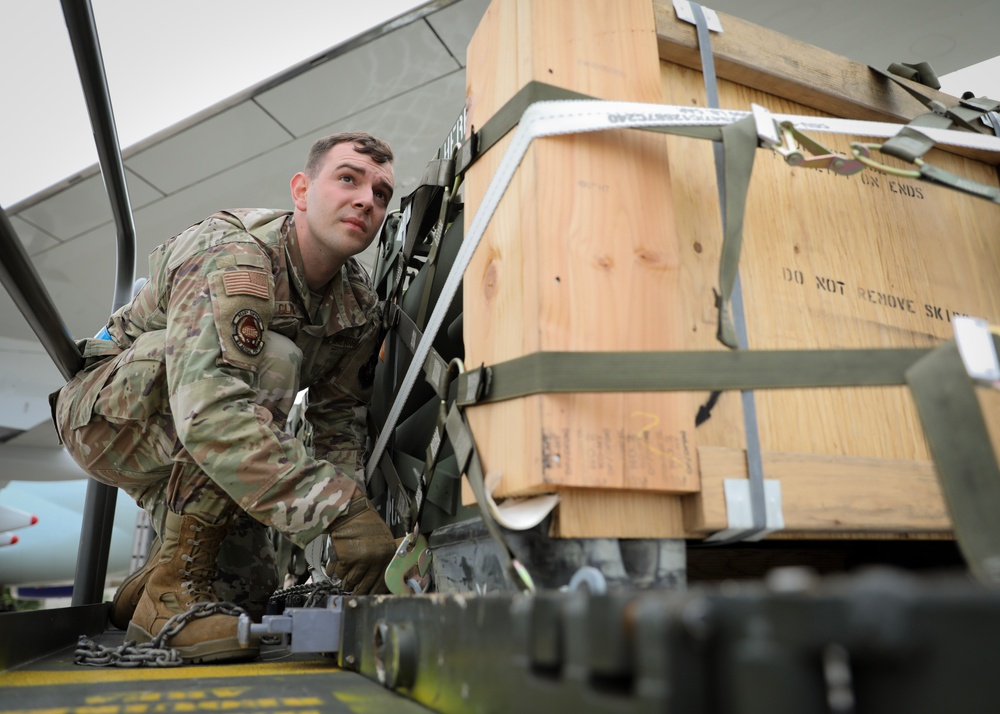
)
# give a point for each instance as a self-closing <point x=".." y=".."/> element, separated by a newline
<point x="248" y="332"/>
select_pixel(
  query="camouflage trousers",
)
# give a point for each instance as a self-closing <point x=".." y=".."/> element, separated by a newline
<point x="133" y="444"/>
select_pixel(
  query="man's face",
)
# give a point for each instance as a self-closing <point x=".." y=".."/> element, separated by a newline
<point x="345" y="203"/>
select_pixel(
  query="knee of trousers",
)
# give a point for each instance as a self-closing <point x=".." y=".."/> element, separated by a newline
<point x="278" y="374"/>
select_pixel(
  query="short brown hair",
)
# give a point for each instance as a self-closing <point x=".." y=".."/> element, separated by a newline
<point x="364" y="143"/>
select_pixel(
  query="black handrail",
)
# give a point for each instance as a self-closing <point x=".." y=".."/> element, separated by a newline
<point x="99" y="509"/>
<point x="87" y="49"/>
<point x="18" y="275"/>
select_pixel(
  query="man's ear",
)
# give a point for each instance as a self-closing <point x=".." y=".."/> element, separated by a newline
<point x="300" y="186"/>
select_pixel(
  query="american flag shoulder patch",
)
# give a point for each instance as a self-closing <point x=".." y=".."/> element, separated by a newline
<point x="246" y="282"/>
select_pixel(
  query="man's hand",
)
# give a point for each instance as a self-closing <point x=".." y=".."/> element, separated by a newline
<point x="364" y="546"/>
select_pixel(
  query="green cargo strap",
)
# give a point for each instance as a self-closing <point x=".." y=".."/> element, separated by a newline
<point x="435" y="367"/>
<point x="388" y="249"/>
<point x="971" y="112"/>
<point x="922" y="73"/>
<point x="439" y="174"/>
<point x="733" y="166"/>
<point x="406" y="507"/>
<point x="568" y="372"/>
<point x="431" y="455"/>
<point x="468" y="463"/>
<point x="963" y="455"/>
<point x="739" y="141"/>
<point x="437" y="234"/>
<point x="910" y="144"/>
<point x="505" y="119"/>
<point x="966" y="114"/>
<point x="986" y="105"/>
<point x="941" y="177"/>
<point x="442" y="490"/>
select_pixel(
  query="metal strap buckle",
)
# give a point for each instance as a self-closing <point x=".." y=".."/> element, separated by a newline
<point x="791" y="149"/>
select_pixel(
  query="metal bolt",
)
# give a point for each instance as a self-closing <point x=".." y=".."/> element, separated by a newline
<point x="350" y="659"/>
<point x="352" y="603"/>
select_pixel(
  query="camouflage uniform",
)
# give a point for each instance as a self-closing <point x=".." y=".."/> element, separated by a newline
<point x="185" y="407"/>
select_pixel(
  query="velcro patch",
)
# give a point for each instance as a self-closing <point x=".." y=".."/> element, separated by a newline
<point x="248" y="332"/>
<point x="246" y="282"/>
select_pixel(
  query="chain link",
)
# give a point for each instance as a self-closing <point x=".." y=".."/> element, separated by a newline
<point x="306" y="595"/>
<point x="155" y="654"/>
<point x="152" y="653"/>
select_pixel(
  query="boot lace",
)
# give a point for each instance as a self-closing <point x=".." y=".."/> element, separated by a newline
<point x="201" y="567"/>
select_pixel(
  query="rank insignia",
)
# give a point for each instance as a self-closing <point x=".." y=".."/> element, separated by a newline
<point x="248" y="332"/>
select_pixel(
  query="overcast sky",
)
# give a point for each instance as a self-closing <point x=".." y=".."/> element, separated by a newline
<point x="164" y="61"/>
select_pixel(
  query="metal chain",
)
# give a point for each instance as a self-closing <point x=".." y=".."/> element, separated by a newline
<point x="128" y="654"/>
<point x="310" y="594"/>
<point x="152" y="653"/>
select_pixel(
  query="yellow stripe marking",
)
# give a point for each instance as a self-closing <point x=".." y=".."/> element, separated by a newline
<point x="97" y="675"/>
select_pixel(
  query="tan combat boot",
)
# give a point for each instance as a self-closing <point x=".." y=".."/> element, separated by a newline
<point x="182" y="577"/>
<point x="128" y="593"/>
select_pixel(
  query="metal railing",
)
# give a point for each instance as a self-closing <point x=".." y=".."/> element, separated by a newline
<point x="25" y="287"/>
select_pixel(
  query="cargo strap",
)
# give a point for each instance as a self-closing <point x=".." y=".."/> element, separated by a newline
<point x="915" y="139"/>
<point x="506" y="118"/>
<point x="945" y="398"/>
<point x="969" y="113"/>
<point x="435" y="367"/>
<point x="437" y="233"/>
<point x="468" y="462"/>
<point x="963" y="455"/>
<point x="569" y="372"/>
<point x="921" y="73"/>
<point x="407" y="508"/>
<point x="450" y="424"/>
<point x="733" y="167"/>
<point x="438" y="176"/>
<point x="435" y="370"/>
<point x="405" y="229"/>
<point x="909" y="145"/>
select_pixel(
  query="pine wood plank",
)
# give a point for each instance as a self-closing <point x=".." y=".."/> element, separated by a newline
<point x="826" y="493"/>
<point x="580" y="255"/>
<point x="596" y="513"/>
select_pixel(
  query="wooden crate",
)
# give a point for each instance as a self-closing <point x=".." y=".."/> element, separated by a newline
<point x="576" y="256"/>
<point x="829" y="261"/>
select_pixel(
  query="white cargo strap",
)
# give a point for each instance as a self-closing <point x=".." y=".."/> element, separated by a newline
<point x="553" y="118"/>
